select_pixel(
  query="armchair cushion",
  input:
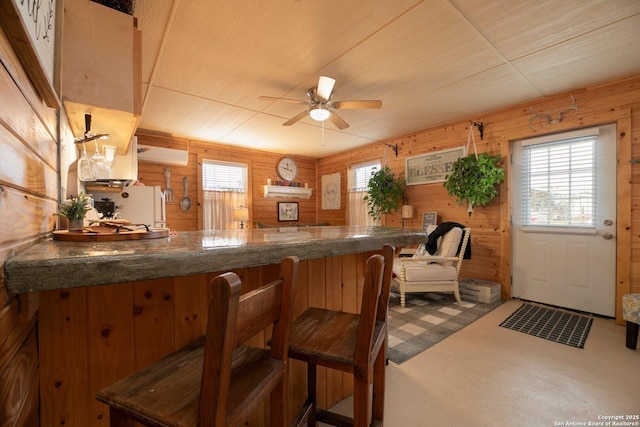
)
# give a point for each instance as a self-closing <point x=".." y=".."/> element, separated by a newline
<point x="415" y="271"/>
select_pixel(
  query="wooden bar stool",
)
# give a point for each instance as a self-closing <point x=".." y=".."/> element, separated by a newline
<point x="217" y="381"/>
<point x="354" y="343"/>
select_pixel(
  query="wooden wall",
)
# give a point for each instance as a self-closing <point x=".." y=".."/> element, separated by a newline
<point x="262" y="165"/>
<point x="612" y="102"/>
<point x="28" y="198"/>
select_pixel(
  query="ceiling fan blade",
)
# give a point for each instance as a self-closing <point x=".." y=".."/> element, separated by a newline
<point x="325" y="87"/>
<point x="273" y="98"/>
<point x="338" y="121"/>
<point x="351" y="105"/>
<point x="296" y="118"/>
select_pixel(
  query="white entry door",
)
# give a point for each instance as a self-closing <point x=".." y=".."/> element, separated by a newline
<point x="564" y="220"/>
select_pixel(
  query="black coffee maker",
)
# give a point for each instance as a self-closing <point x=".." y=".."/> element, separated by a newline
<point x="105" y="207"/>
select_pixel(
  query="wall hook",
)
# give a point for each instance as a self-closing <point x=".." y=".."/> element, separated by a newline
<point x="480" y="127"/>
<point x="393" y="147"/>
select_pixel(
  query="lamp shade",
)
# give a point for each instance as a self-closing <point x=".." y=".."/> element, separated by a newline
<point x="241" y="214"/>
<point x="407" y="211"/>
<point x="319" y="114"/>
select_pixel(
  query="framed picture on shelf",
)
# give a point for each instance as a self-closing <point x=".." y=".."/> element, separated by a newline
<point x="287" y="211"/>
<point x="429" y="218"/>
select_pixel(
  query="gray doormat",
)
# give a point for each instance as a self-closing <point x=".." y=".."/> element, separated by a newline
<point x="551" y="324"/>
<point x="426" y="320"/>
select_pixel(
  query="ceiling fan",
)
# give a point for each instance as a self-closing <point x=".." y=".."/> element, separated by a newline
<point x="321" y="106"/>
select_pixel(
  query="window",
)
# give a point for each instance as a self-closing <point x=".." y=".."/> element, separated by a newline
<point x="358" y="187"/>
<point x="224" y="188"/>
<point x="559" y="182"/>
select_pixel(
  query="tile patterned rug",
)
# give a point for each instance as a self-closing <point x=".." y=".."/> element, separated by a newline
<point x="426" y="320"/>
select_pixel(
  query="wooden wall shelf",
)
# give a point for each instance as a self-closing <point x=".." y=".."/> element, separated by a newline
<point x="291" y="192"/>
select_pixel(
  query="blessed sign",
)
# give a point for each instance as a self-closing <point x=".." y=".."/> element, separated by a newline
<point x="431" y="167"/>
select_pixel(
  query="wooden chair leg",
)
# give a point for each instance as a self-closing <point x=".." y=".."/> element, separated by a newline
<point x="379" y="375"/>
<point x="312" y="391"/>
<point x="456" y="294"/>
<point x="360" y="403"/>
<point x="632" y="335"/>
<point x="118" y="419"/>
<point x="278" y="405"/>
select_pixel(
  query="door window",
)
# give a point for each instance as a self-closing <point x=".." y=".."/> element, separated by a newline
<point x="559" y="183"/>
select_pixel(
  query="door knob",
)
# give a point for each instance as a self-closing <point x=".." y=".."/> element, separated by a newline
<point x="607" y="236"/>
<point x="608" y="222"/>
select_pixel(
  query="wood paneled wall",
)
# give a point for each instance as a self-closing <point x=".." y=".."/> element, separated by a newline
<point x="262" y="165"/>
<point x="28" y="198"/>
<point x="612" y="102"/>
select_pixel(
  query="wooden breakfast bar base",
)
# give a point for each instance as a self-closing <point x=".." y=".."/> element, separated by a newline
<point x="109" y="309"/>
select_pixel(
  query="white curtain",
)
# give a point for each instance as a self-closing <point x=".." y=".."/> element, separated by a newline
<point x="217" y="209"/>
<point x="358" y="209"/>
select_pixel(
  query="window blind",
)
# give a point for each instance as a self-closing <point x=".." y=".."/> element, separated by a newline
<point x="359" y="176"/>
<point x="559" y="182"/>
<point x="224" y="176"/>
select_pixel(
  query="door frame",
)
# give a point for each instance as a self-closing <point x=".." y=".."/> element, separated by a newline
<point x="622" y="118"/>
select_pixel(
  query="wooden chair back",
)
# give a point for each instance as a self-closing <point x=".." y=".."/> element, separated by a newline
<point x="383" y="303"/>
<point x="368" y="314"/>
<point x="232" y="320"/>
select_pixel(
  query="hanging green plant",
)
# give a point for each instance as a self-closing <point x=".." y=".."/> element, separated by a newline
<point x="473" y="180"/>
<point x="385" y="192"/>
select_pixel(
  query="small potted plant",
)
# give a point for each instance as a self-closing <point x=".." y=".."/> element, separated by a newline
<point x="385" y="192"/>
<point x="75" y="211"/>
<point x="473" y="180"/>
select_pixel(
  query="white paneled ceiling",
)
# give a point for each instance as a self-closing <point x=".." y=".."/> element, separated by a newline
<point x="206" y="63"/>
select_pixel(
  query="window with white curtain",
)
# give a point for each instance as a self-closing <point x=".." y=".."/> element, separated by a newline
<point x="358" y="187"/>
<point x="224" y="188"/>
<point x="559" y="183"/>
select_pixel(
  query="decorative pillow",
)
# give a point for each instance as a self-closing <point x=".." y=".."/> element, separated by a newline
<point x="449" y="243"/>
<point x="422" y="249"/>
<point x="631" y="308"/>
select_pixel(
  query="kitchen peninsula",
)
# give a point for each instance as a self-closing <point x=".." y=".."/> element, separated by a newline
<point x="107" y="309"/>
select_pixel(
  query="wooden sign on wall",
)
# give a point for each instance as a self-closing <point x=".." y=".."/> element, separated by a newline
<point x="31" y="26"/>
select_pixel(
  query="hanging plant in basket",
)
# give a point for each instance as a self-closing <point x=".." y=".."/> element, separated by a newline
<point x="473" y="178"/>
<point x="385" y="192"/>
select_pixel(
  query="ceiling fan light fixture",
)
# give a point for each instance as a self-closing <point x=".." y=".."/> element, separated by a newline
<point x="319" y="114"/>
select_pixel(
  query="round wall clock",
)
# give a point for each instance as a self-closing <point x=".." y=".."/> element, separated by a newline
<point x="287" y="169"/>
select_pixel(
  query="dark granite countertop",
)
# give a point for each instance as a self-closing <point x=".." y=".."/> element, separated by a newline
<point x="58" y="265"/>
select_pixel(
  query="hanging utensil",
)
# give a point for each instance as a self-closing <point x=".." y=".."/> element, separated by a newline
<point x="168" y="192"/>
<point x="185" y="203"/>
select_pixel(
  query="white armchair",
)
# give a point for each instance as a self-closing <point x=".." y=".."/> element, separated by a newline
<point x="432" y="273"/>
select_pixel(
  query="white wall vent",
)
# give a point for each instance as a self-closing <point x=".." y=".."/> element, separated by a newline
<point x="165" y="156"/>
